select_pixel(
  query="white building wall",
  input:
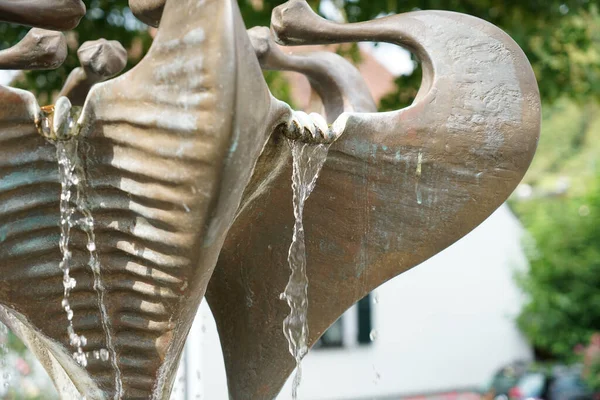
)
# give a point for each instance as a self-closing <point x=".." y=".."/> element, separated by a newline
<point x="445" y="325"/>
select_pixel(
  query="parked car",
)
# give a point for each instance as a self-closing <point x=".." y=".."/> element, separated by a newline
<point x="558" y="383"/>
<point x="531" y="386"/>
<point x="503" y="380"/>
<point x="569" y="386"/>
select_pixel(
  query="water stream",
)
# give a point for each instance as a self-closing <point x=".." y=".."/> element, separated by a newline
<point x="75" y="213"/>
<point x="308" y="159"/>
<point x="66" y="152"/>
<point x="4" y="355"/>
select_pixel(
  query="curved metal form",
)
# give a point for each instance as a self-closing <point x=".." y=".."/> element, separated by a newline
<point x="397" y="187"/>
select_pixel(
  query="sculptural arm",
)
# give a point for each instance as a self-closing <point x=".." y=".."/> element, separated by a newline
<point x="39" y="49"/>
<point x="396" y="188"/>
<point x="60" y="15"/>
<point x="148" y="11"/>
<point x="100" y="60"/>
<point x="337" y="82"/>
<point x="475" y="78"/>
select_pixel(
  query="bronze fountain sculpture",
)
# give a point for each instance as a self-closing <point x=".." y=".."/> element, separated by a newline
<point x="173" y="181"/>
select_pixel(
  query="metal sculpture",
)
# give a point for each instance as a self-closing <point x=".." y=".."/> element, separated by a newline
<point x="100" y="59"/>
<point x="39" y="49"/>
<point x="148" y="11"/>
<point x="174" y="177"/>
<point x="400" y="186"/>
<point x="48" y="14"/>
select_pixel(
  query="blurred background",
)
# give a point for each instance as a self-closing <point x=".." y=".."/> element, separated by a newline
<point x="510" y="311"/>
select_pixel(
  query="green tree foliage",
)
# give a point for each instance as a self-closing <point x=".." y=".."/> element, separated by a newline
<point x="564" y="276"/>
<point x="560" y="37"/>
<point x="568" y="149"/>
<point x="562" y="217"/>
<point x="108" y="19"/>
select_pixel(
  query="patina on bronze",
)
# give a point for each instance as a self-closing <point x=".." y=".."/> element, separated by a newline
<point x="186" y="164"/>
<point x="397" y="188"/>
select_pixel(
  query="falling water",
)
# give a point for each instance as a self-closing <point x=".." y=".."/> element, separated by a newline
<point x="66" y="153"/>
<point x="76" y="213"/>
<point x="4" y="355"/>
<point x="308" y="159"/>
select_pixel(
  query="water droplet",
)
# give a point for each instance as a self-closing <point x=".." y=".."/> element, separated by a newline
<point x="82" y="359"/>
<point x="373" y="335"/>
<point x="375" y="298"/>
<point x="104" y="355"/>
<point x="91" y="246"/>
<point x="377" y="375"/>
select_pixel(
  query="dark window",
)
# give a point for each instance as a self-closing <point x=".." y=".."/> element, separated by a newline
<point x="334" y="336"/>
<point x="365" y="325"/>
